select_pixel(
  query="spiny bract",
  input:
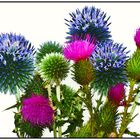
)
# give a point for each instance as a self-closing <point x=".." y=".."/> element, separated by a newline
<point x="133" y="66"/>
<point x="83" y="72"/>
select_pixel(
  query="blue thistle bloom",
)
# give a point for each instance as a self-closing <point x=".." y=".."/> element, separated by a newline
<point x="109" y="61"/>
<point x="90" y="21"/>
<point x="16" y="62"/>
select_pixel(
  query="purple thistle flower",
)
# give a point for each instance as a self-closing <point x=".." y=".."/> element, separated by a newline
<point x="116" y="94"/>
<point x="79" y="49"/>
<point x="137" y="38"/>
<point x="37" y="111"/>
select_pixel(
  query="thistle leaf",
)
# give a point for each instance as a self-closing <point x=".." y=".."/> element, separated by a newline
<point x="135" y="134"/>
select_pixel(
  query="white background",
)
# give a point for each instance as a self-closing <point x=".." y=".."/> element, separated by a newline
<point x="40" y="22"/>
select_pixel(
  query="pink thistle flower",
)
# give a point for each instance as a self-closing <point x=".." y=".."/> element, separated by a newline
<point x="137" y="37"/>
<point x="84" y="37"/>
<point x="116" y="94"/>
<point x="37" y="111"/>
<point x="79" y="49"/>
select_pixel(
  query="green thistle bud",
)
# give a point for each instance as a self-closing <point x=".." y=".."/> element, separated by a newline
<point x="54" y="67"/>
<point x="83" y="72"/>
<point x="46" y="48"/>
<point x="133" y="66"/>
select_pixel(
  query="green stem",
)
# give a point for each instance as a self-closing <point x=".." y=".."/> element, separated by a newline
<point x="125" y="119"/>
<point x="54" y="130"/>
<point x="49" y="92"/>
<point x="58" y="109"/>
<point x="50" y="98"/>
<point x="134" y="104"/>
<point x="18" y="110"/>
<point x="89" y="107"/>
<point x="18" y="98"/>
<point x="99" y="102"/>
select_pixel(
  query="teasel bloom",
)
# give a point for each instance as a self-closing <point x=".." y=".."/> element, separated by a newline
<point x="116" y="94"/>
<point x="137" y="38"/>
<point x="53" y="67"/>
<point x="46" y="48"/>
<point x="89" y="20"/>
<point x="109" y="61"/>
<point x="16" y="62"/>
<point x="37" y="111"/>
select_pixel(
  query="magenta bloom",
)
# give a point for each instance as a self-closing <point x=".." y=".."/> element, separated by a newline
<point x="79" y="50"/>
<point x="137" y="38"/>
<point x="116" y="94"/>
<point x="37" y="111"/>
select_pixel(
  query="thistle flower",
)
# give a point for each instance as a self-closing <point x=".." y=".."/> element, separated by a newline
<point x="54" y="67"/>
<point x="116" y="94"/>
<point x="37" y="111"/>
<point x="89" y="20"/>
<point x="16" y="62"/>
<point x="109" y="61"/>
<point x="79" y="50"/>
<point x="46" y="48"/>
<point x="133" y="66"/>
<point x="137" y="38"/>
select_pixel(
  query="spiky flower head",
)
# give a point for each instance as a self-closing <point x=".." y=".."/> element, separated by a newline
<point x="54" y="67"/>
<point x="37" y="111"/>
<point x="79" y="49"/>
<point x="83" y="72"/>
<point x="109" y="61"/>
<point x="116" y="94"/>
<point x="89" y="20"/>
<point x="137" y="38"/>
<point x="133" y="66"/>
<point x="46" y="48"/>
<point x="16" y="62"/>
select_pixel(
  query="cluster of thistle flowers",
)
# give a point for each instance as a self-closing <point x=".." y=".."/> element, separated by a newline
<point x="17" y="66"/>
<point x="99" y="64"/>
<point x="90" y="43"/>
